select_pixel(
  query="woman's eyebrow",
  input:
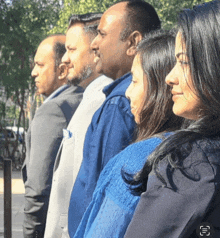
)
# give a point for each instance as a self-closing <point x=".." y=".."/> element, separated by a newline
<point x="180" y="53"/>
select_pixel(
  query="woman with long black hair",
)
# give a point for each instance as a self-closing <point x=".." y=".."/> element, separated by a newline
<point x="180" y="182"/>
<point x="112" y="206"/>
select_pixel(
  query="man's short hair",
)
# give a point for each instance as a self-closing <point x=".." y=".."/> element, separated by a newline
<point x="141" y="16"/>
<point x="58" y="48"/>
<point x="90" y="21"/>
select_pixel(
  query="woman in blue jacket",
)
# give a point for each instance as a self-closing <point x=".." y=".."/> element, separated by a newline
<point x="180" y="182"/>
<point x="112" y="207"/>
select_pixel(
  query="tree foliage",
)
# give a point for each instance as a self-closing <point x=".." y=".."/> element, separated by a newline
<point x="79" y="7"/>
<point x="166" y="9"/>
<point x="23" y="25"/>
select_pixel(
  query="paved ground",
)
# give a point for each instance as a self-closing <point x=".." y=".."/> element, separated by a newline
<point x="17" y="204"/>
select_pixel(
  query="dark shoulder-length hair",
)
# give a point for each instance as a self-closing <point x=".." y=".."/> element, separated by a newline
<point x="200" y="28"/>
<point x="157" y="58"/>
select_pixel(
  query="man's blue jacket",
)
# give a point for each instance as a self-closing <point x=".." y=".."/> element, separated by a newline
<point x="110" y="131"/>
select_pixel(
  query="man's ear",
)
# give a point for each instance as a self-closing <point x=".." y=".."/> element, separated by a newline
<point x="63" y="71"/>
<point x="133" y="40"/>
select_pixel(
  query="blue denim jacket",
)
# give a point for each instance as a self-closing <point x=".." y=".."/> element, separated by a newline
<point x="110" y="131"/>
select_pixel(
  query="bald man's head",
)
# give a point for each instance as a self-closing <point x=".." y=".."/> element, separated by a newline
<point x="121" y="28"/>
<point x="138" y="16"/>
<point x="48" y="71"/>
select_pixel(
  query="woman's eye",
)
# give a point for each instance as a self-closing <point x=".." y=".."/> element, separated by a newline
<point x="100" y="33"/>
<point x="183" y="62"/>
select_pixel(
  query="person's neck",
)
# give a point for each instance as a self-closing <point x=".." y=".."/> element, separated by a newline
<point x="85" y="83"/>
<point x="122" y="72"/>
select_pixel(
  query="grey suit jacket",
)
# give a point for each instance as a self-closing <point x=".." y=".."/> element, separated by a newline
<point x="42" y="143"/>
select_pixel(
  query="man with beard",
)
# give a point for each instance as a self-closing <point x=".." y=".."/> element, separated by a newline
<point x="81" y="70"/>
<point x="46" y="130"/>
<point x="120" y="30"/>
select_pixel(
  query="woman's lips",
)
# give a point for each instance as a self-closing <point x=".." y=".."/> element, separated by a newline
<point x="176" y="95"/>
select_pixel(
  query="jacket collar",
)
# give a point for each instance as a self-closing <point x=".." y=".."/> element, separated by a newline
<point x="56" y="92"/>
<point x="117" y="85"/>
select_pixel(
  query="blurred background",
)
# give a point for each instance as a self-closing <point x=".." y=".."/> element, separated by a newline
<point x="23" y="25"/>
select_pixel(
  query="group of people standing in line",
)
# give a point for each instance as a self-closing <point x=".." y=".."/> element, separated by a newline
<point x="127" y="142"/>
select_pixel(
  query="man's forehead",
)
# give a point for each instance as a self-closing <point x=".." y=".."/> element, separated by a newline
<point x="112" y="19"/>
<point x="114" y="15"/>
<point x="74" y="34"/>
<point x="44" y="51"/>
<point x="117" y="8"/>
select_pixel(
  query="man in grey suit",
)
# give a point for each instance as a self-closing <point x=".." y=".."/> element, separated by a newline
<point x="46" y="131"/>
<point x="80" y="59"/>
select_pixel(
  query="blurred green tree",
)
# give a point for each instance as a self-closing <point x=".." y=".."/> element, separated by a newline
<point x="23" y="25"/>
<point x="166" y="9"/>
<point x="78" y="7"/>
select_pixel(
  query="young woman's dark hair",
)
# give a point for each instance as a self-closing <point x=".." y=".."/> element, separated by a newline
<point x="157" y="59"/>
<point x="200" y="29"/>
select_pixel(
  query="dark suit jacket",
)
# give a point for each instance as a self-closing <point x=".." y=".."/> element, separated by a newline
<point x="43" y="140"/>
<point x="190" y="198"/>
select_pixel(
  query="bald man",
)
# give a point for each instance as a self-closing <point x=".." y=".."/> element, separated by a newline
<point x="121" y="28"/>
<point x="46" y="130"/>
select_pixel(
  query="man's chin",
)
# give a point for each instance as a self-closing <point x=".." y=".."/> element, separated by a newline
<point x="87" y="72"/>
<point x="98" y="68"/>
<point x="73" y="81"/>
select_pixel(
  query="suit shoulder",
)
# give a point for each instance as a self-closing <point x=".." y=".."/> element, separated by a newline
<point x="71" y="94"/>
<point x="67" y="101"/>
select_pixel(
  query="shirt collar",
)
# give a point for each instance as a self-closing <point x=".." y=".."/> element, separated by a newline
<point x="56" y="92"/>
<point x="95" y="84"/>
<point x="109" y="88"/>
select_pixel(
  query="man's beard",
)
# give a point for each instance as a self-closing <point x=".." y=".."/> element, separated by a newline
<point x="87" y="72"/>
